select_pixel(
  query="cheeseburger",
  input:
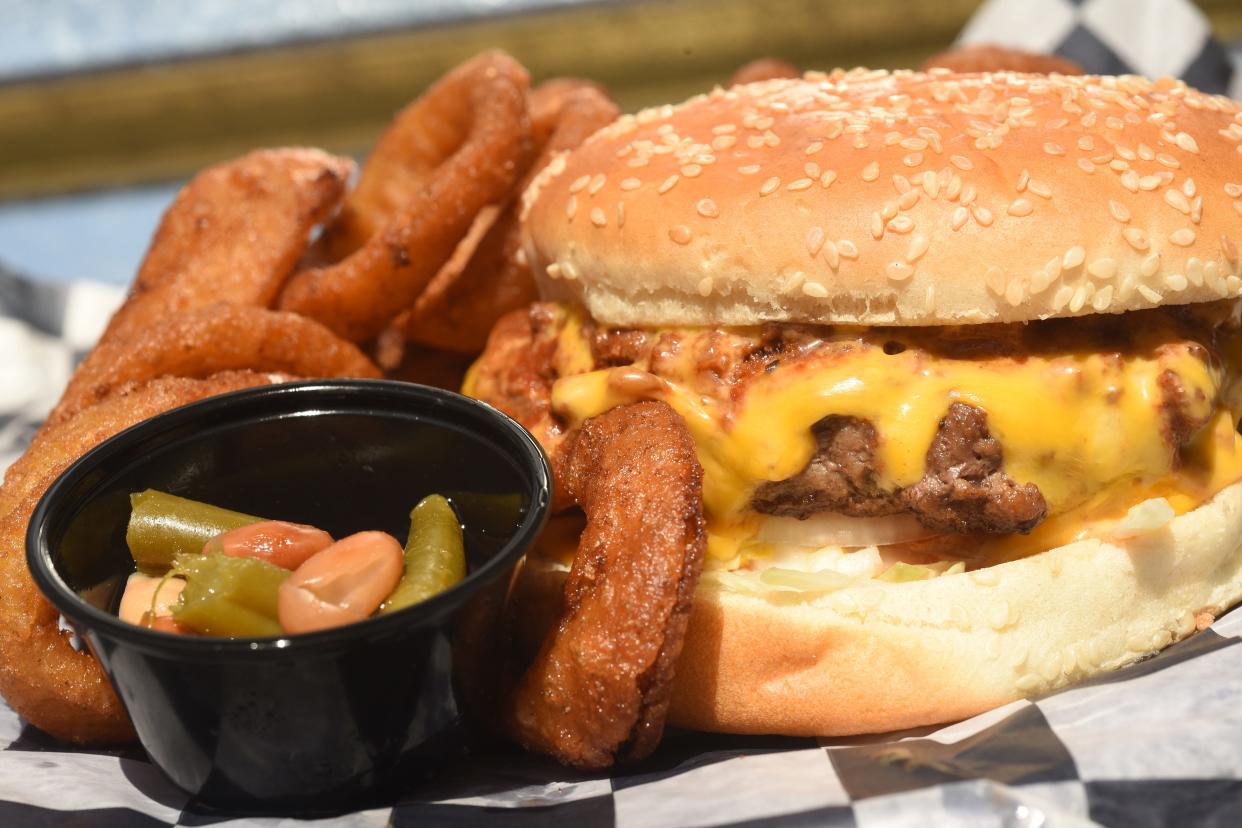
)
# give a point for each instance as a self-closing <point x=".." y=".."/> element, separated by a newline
<point x="959" y="357"/>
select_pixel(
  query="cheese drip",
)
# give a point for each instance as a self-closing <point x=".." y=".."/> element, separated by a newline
<point x="1074" y="423"/>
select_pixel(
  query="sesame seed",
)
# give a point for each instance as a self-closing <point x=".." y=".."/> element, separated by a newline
<point x="749" y="169"/>
<point x="814" y="289"/>
<point x="814" y="147"/>
<point x="724" y="129"/>
<point x="954" y="188"/>
<point x="769" y="186"/>
<point x="1023" y="180"/>
<point x="1102" y="299"/>
<point x="901" y="224"/>
<point x="620" y="214"/>
<point x="1013" y="292"/>
<point x="597" y="183"/>
<point x="1021" y="207"/>
<point x="811" y="169"/>
<point x="668" y="183"/>
<point x="1105" y="268"/>
<point x="598" y="218"/>
<point x="1188" y="187"/>
<point x="931" y="184"/>
<point x="929" y="299"/>
<point x="913" y="159"/>
<point x="901" y="184"/>
<point x="995" y="279"/>
<point x="1150" y="265"/>
<point x="707" y="208"/>
<point x="800" y="184"/>
<point x="877" y="226"/>
<point x="1062" y="297"/>
<point x="1184" y="237"/>
<point x="1176" y="282"/>
<point x="691" y="170"/>
<point x="553" y="270"/>
<point x="960" y="216"/>
<point x="961" y="162"/>
<point x="754" y="141"/>
<point x="1074" y="257"/>
<point x="888" y="210"/>
<point x="918" y="246"/>
<point x="1040" y="189"/>
<point x="631" y="184"/>
<point x="1119" y="211"/>
<point x="832" y="254"/>
<point x="1187" y="143"/>
<point x="968" y="195"/>
<point x="1040" y="280"/>
<point x="723" y="142"/>
<point x="1229" y="249"/>
<point x="871" y="172"/>
<point x="899" y="271"/>
<point x="1117" y="165"/>
<point x="1149" y="294"/>
<point x="571" y="207"/>
<point x="680" y="233"/>
<point x="636" y="162"/>
<point x="557" y="165"/>
<point x="814" y="240"/>
<point x="1079" y="299"/>
<point x="705" y="286"/>
<point x="1168" y="160"/>
<point x="1054" y="149"/>
<point x="1177" y="201"/>
<point x="770" y="139"/>
<point x="1130" y="181"/>
<point x="1086" y="143"/>
<point x="908" y="199"/>
<point x="1149" y="182"/>
<point x="914" y="144"/>
<point x="579" y="183"/>
<point x="1233" y="190"/>
<point x="1086" y="165"/>
<point x="982" y="215"/>
<point x="1136" y="237"/>
<point x="827" y="178"/>
<point x="848" y="249"/>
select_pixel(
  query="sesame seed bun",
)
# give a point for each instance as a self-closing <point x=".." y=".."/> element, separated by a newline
<point x="884" y="656"/>
<point x="898" y="199"/>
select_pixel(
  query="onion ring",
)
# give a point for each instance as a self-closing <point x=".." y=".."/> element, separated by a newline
<point x="482" y="105"/>
<point x="764" y="69"/>
<point x="461" y="305"/>
<point x="220" y="337"/>
<point x="234" y="233"/>
<point x="599" y="689"/>
<point x="56" y="688"/>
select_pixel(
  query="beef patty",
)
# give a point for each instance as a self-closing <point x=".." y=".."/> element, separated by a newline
<point x="964" y="488"/>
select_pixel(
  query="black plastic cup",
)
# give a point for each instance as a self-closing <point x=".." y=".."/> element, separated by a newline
<point x="328" y="720"/>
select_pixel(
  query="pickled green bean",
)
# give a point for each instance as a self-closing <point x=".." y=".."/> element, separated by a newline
<point x="162" y="526"/>
<point x="227" y="596"/>
<point x="435" y="555"/>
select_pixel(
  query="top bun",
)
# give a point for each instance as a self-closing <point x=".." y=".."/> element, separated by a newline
<point x="898" y="199"/>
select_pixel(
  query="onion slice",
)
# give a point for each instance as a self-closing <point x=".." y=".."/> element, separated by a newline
<point x="830" y="529"/>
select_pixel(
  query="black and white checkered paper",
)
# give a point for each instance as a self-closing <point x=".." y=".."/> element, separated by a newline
<point x="1113" y="37"/>
<point x="1159" y="743"/>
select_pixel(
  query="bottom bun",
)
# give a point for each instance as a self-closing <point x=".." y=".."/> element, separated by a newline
<point x="887" y="656"/>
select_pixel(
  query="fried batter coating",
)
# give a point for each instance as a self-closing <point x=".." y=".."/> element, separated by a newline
<point x="219" y="337"/>
<point x="461" y="304"/>
<point x="764" y="69"/>
<point x="473" y="124"/>
<point x="234" y="233"/>
<point x="599" y="690"/>
<point x="53" y="686"/>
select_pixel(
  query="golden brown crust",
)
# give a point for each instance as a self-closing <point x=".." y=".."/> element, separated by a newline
<point x="205" y="341"/>
<point x="983" y="57"/>
<point x="599" y="688"/>
<point x="53" y="686"/>
<point x="875" y="198"/>
<point x="881" y="656"/>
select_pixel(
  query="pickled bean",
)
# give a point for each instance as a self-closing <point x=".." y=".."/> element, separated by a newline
<point x="435" y="556"/>
<point x="226" y="596"/>
<point x="162" y="526"/>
